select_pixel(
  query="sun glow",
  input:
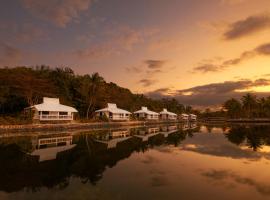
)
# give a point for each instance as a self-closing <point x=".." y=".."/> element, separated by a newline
<point x="255" y="89"/>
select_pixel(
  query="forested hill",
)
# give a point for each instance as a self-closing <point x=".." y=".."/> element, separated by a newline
<point x="21" y="87"/>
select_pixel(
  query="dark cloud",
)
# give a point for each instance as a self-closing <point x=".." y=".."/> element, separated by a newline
<point x="263" y="50"/>
<point x="247" y="26"/>
<point x="213" y="94"/>
<point x="155" y="64"/>
<point x="147" y="82"/>
<point x="9" y="55"/>
<point x="58" y="12"/>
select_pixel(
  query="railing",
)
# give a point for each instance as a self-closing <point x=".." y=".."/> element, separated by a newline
<point x="55" y="117"/>
<point x="119" y="117"/>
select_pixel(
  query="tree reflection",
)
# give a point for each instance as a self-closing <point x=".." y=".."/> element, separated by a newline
<point x="87" y="160"/>
<point x="252" y="136"/>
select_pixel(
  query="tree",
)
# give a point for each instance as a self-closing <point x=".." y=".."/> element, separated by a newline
<point x="233" y="107"/>
<point x="90" y="86"/>
<point x="249" y="103"/>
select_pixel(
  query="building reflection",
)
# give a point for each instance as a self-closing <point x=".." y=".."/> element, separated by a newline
<point x="48" y="147"/>
<point x="113" y="137"/>
<point x="50" y="160"/>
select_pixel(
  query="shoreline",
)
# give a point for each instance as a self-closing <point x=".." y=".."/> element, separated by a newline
<point x="75" y="126"/>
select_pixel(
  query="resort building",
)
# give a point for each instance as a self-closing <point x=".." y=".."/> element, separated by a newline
<point x="114" y="113"/>
<point x="166" y="115"/>
<point x="144" y="113"/>
<point x="192" y="117"/>
<point x="184" y="117"/>
<point x="52" y="110"/>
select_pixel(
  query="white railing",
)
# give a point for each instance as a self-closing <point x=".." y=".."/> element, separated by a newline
<point x="119" y="117"/>
<point x="55" y="117"/>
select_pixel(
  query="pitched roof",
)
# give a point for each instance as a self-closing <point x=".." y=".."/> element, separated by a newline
<point x="166" y="112"/>
<point x="113" y="109"/>
<point x="146" y="111"/>
<point x="185" y="115"/>
<point x="53" y="104"/>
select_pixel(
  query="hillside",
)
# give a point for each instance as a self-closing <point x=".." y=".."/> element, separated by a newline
<point x="22" y="86"/>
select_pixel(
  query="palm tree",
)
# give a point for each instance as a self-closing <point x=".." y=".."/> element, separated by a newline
<point x="249" y="103"/>
<point x="95" y="82"/>
<point x="233" y="107"/>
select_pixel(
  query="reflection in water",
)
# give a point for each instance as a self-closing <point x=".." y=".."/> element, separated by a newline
<point x="208" y="159"/>
<point x="47" y="148"/>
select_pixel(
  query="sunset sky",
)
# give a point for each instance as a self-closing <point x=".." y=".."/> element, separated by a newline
<point x="198" y="51"/>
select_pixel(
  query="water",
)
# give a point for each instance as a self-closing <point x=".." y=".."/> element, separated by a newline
<point x="163" y="162"/>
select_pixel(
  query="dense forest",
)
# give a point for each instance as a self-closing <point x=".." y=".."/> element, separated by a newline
<point x="21" y="87"/>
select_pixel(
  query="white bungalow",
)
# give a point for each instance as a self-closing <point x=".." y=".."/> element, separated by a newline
<point x="184" y="117"/>
<point x="52" y="110"/>
<point x="114" y="113"/>
<point x="144" y="113"/>
<point x="166" y="115"/>
<point x="192" y="117"/>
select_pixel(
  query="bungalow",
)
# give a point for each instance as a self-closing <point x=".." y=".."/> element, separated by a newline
<point x="184" y="117"/>
<point x="144" y="113"/>
<point x="192" y="117"/>
<point x="113" y="113"/>
<point x="166" y="115"/>
<point x="52" y="110"/>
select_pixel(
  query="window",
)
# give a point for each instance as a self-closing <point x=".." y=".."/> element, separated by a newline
<point x="63" y="113"/>
<point x="45" y="112"/>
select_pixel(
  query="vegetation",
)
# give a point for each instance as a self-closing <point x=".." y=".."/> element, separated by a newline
<point x="21" y="87"/>
<point x="248" y="107"/>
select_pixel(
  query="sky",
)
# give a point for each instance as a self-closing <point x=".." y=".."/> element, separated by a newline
<point x="200" y="52"/>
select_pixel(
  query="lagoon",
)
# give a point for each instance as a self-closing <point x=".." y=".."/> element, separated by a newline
<point x="176" y="161"/>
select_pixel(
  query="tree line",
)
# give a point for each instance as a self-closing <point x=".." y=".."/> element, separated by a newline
<point x="21" y="87"/>
<point x="249" y="106"/>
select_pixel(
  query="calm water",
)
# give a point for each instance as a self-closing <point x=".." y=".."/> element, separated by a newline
<point x="162" y="162"/>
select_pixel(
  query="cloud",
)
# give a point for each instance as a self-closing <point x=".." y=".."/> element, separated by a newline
<point x="58" y="12"/>
<point x="149" y="67"/>
<point x="262" y="50"/>
<point x="147" y="82"/>
<point x="248" y="26"/>
<point x="9" y="55"/>
<point x="134" y="69"/>
<point x="155" y="64"/>
<point x="116" y="40"/>
<point x="213" y="94"/>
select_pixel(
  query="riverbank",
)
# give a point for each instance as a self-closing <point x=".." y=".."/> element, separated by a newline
<point x="76" y="125"/>
<point x="247" y="120"/>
